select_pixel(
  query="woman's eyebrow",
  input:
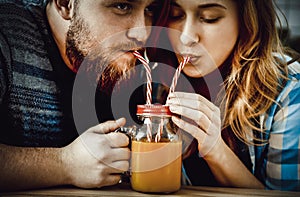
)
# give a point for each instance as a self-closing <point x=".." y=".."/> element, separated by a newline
<point x="210" y="5"/>
<point x="203" y="6"/>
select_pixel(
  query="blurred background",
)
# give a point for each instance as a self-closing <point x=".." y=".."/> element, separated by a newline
<point x="291" y="32"/>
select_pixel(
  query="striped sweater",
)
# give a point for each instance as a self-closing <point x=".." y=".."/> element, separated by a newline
<point x="35" y="84"/>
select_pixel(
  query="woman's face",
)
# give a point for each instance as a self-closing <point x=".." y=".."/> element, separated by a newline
<point x="207" y="32"/>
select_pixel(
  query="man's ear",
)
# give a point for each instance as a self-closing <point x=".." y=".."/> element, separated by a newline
<point x="65" y="8"/>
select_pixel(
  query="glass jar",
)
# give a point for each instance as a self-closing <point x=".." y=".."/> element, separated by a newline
<point x="156" y="151"/>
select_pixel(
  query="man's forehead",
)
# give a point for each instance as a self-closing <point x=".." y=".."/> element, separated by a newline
<point x="131" y="1"/>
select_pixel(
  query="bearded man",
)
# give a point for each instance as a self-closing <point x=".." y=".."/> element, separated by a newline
<point x="42" y="47"/>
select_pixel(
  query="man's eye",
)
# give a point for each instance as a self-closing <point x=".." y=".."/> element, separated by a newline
<point x="149" y="11"/>
<point x="122" y="8"/>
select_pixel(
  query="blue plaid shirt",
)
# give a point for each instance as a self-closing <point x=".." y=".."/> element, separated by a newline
<point x="277" y="164"/>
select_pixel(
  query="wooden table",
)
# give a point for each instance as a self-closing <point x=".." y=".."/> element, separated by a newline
<point x="125" y="190"/>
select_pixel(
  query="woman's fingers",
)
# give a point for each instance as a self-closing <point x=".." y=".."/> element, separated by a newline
<point x="181" y="96"/>
<point x="195" y="131"/>
<point x="196" y="103"/>
<point x="197" y="116"/>
<point x="206" y="142"/>
<point x="206" y="125"/>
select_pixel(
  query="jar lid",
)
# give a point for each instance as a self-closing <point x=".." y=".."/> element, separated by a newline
<point x="153" y="110"/>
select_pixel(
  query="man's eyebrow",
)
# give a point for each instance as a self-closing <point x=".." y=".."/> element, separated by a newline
<point x="128" y="1"/>
<point x="132" y="1"/>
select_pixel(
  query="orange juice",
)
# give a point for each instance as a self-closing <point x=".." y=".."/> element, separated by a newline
<point x="156" y="167"/>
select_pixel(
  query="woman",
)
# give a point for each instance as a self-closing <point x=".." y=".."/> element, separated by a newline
<point x="238" y="40"/>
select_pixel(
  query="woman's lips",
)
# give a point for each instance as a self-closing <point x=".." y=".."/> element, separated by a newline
<point x="193" y="58"/>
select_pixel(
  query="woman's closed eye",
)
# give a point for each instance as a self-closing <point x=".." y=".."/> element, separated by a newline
<point x="210" y="20"/>
<point x="176" y="13"/>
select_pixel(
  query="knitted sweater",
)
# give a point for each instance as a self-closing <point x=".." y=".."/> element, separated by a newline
<point x="35" y="84"/>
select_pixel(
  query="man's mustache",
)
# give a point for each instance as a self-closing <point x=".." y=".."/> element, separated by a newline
<point x="115" y="50"/>
<point x="108" y="62"/>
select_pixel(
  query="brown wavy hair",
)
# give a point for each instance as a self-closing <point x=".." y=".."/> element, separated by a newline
<point x="257" y="76"/>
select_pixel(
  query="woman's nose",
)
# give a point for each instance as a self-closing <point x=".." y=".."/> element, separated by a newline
<point x="189" y="35"/>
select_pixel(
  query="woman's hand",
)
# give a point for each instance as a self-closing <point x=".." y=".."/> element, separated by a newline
<point x="200" y="118"/>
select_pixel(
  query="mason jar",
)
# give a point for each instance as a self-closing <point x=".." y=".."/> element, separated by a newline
<point x="156" y="151"/>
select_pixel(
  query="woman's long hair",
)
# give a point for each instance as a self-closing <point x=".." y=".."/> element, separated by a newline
<point x="257" y="76"/>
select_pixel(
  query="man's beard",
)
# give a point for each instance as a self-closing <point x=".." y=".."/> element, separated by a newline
<point x="107" y="65"/>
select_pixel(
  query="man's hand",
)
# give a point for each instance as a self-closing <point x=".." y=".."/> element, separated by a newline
<point x="98" y="156"/>
<point x="94" y="159"/>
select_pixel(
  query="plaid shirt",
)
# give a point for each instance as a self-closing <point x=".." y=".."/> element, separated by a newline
<point x="277" y="164"/>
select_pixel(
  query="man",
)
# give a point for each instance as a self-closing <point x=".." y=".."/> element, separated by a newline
<point x="42" y="45"/>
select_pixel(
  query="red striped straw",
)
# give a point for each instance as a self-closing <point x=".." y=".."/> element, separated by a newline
<point x="145" y="62"/>
<point x="177" y="73"/>
<point x="159" y="130"/>
<point x="148" y="122"/>
<point x="148" y="74"/>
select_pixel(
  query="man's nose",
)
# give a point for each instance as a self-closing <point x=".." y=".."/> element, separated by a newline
<point x="138" y="31"/>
